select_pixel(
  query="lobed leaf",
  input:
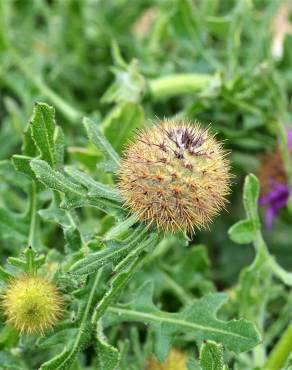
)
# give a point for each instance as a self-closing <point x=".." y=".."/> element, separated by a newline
<point x="198" y="319"/>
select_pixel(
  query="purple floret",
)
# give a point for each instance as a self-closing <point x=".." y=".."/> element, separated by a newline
<point x="278" y="197"/>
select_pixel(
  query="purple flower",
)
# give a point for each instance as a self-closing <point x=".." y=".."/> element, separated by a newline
<point x="278" y="196"/>
<point x="274" y="200"/>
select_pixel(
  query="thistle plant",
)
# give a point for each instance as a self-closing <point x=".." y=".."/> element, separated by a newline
<point x="175" y="175"/>
<point x="116" y="252"/>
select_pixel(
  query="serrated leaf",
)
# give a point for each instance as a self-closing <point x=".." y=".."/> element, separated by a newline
<point x="242" y="232"/>
<point x="117" y="284"/>
<point x="22" y="164"/>
<point x="112" y="254"/>
<point x="95" y="188"/>
<point x="43" y="129"/>
<point x="107" y="356"/>
<point x="120" y="125"/>
<point x="101" y="142"/>
<point x="198" y="319"/>
<point x="211" y="356"/>
<point x="57" y="181"/>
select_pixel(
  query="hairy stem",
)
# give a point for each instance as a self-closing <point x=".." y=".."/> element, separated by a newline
<point x="281" y="351"/>
<point x="33" y="215"/>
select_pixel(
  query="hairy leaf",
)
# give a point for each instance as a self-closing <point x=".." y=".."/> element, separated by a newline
<point x="198" y="319"/>
<point x="211" y="356"/>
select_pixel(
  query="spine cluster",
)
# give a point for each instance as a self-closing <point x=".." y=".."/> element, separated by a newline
<point x="175" y="175"/>
<point x="32" y="304"/>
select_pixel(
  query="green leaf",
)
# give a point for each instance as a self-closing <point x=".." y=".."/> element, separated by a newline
<point x="116" y="231"/>
<point x="59" y="145"/>
<point x="22" y="164"/>
<point x="76" y="194"/>
<point x="112" y="254"/>
<point x="95" y="188"/>
<point x="251" y="191"/>
<point x="107" y="356"/>
<point x="117" y="284"/>
<point x="29" y="147"/>
<point x="242" y="232"/>
<point x="211" y="356"/>
<point x="120" y="125"/>
<point x="43" y="127"/>
<point x="83" y="335"/>
<point x="198" y="319"/>
<point x="101" y="142"/>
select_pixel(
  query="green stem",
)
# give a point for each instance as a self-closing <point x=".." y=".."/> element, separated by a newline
<point x="178" y="84"/>
<point x="33" y="215"/>
<point x="281" y="351"/>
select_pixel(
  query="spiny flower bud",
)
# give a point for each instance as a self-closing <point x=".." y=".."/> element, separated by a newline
<point x="32" y="304"/>
<point x="176" y="360"/>
<point x="175" y="175"/>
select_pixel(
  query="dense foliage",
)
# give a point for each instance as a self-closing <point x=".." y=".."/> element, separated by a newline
<point x="78" y="79"/>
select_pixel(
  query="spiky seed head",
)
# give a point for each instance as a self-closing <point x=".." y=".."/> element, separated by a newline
<point x="176" y="360"/>
<point x="32" y="304"/>
<point x="175" y="175"/>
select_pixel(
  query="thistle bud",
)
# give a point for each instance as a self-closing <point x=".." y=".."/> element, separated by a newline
<point x="32" y="304"/>
<point x="176" y="360"/>
<point x="175" y="175"/>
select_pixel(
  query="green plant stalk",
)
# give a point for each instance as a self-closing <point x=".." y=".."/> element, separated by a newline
<point x="33" y="215"/>
<point x="281" y="351"/>
<point x="178" y="84"/>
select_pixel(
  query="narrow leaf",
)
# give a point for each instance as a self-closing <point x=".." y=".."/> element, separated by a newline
<point x="250" y="196"/>
<point x="100" y="141"/>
